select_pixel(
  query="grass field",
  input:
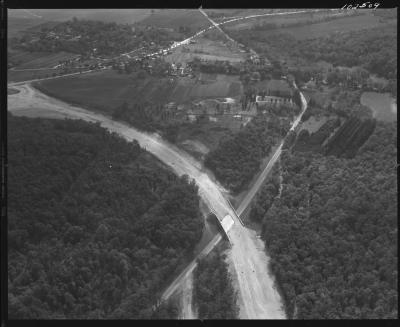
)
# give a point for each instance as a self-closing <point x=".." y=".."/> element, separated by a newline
<point x="272" y="85"/>
<point x="106" y="90"/>
<point x="339" y="25"/>
<point x="26" y="75"/>
<point x="12" y="91"/>
<point x="313" y="124"/>
<point x="107" y="15"/>
<point x="27" y="60"/>
<point x="205" y="49"/>
<point x="173" y="18"/>
<point x="279" y="19"/>
<point x="16" y="25"/>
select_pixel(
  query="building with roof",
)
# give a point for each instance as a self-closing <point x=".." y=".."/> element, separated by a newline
<point x="272" y="101"/>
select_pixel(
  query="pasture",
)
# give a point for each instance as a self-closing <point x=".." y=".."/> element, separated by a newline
<point x="105" y="90"/>
<point x="173" y="18"/>
<point x="272" y="85"/>
<point x="29" y="60"/>
<point x="123" y="16"/>
<point x="205" y="49"/>
<point x="26" y="75"/>
<point x="340" y="25"/>
<point x="16" y="25"/>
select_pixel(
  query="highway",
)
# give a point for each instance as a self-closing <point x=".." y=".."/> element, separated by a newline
<point x="257" y="292"/>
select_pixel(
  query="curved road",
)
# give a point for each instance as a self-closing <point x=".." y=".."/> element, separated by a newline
<point x="258" y="295"/>
<point x="257" y="291"/>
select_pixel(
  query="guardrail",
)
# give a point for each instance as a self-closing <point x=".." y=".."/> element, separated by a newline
<point x="230" y="204"/>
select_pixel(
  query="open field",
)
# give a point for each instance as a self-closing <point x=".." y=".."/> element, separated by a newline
<point x="12" y="91"/>
<point x="313" y="124"/>
<point x="173" y="18"/>
<point x="382" y="104"/>
<point x="272" y="85"/>
<point x="105" y="90"/>
<point x="205" y="49"/>
<point x="107" y="15"/>
<point x="16" y="25"/>
<point x="279" y="19"/>
<point x="339" y="25"/>
<point x="27" y="60"/>
<point x="26" y="75"/>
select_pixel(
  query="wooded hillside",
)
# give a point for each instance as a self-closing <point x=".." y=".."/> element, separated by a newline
<point x="97" y="226"/>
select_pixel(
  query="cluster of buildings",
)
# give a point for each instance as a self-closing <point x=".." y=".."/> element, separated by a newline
<point x="211" y="108"/>
<point x="273" y="101"/>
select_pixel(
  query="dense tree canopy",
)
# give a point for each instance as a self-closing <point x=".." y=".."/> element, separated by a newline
<point x="213" y="291"/>
<point x="374" y="49"/>
<point x="236" y="160"/>
<point x="332" y="234"/>
<point x="97" y="226"/>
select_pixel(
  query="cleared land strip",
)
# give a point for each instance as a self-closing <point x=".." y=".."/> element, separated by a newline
<point x="262" y="301"/>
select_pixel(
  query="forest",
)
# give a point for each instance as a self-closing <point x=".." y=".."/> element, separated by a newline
<point x="332" y="233"/>
<point x="374" y="49"/>
<point x="96" y="225"/>
<point x="235" y="161"/>
<point x="213" y="292"/>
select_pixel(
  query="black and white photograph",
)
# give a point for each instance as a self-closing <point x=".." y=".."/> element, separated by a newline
<point x="200" y="163"/>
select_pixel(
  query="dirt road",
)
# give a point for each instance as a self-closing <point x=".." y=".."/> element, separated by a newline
<point x="256" y="186"/>
<point x="260" y="298"/>
<point x="186" y="299"/>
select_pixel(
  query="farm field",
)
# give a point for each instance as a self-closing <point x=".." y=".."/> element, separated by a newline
<point x="12" y="91"/>
<point x="339" y="25"/>
<point x="16" y="25"/>
<point x="127" y="16"/>
<point x="26" y="75"/>
<point x="205" y="49"/>
<point x="382" y="104"/>
<point x="272" y="85"/>
<point x="173" y="18"/>
<point x="27" y="60"/>
<point x="279" y="19"/>
<point x="106" y="90"/>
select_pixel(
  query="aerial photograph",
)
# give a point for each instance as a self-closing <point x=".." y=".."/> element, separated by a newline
<point x="202" y="163"/>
